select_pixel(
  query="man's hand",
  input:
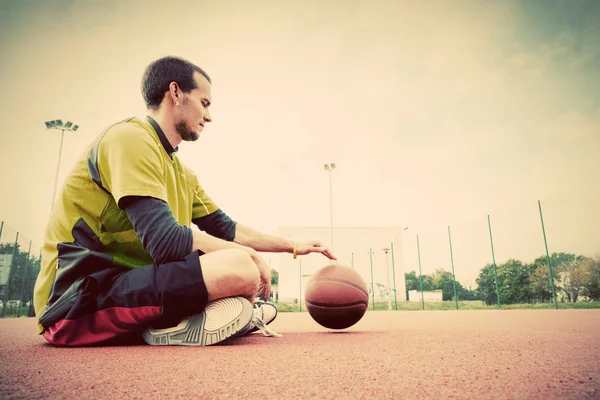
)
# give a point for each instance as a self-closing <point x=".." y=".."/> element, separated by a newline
<point x="314" y="246"/>
<point x="264" y="290"/>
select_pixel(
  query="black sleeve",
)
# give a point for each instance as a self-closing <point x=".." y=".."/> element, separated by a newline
<point x="161" y="234"/>
<point x="217" y="224"/>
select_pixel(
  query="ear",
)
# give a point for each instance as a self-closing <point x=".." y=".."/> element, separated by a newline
<point x="175" y="93"/>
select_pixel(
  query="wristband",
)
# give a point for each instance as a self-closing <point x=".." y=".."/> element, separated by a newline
<point x="295" y="250"/>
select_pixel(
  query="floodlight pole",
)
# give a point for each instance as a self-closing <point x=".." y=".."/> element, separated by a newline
<point x="420" y="274"/>
<point x="300" y="298"/>
<point x="330" y="167"/>
<point x="394" y="277"/>
<point x="62" y="135"/>
<point x="68" y="126"/>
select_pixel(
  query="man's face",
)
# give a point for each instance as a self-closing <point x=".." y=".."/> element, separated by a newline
<point x="192" y="113"/>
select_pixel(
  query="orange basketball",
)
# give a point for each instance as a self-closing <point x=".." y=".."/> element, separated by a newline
<point x="336" y="297"/>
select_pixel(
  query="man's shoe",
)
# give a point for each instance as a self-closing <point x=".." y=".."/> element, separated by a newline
<point x="267" y="312"/>
<point x="264" y="314"/>
<point x="220" y="320"/>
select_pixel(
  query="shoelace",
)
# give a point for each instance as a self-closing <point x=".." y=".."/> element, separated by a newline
<point x="261" y="326"/>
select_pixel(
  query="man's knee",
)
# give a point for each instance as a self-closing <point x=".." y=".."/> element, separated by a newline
<point x="246" y="271"/>
<point x="230" y="272"/>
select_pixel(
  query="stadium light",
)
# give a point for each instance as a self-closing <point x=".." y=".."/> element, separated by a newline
<point x="68" y="126"/>
<point x="330" y="167"/>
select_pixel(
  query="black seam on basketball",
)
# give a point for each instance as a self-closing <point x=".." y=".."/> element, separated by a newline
<point x="327" y="305"/>
<point x="341" y="281"/>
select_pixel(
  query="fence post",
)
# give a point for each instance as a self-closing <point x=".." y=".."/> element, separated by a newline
<point x="24" y="275"/>
<point x="453" y="276"/>
<point x="548" y="257"/>
<point x="420" y="274"/>
<point x="494" y="260"/>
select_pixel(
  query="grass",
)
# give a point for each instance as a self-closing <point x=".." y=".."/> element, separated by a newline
<point x="11" y="312"/>
<point x="450" y="305"/>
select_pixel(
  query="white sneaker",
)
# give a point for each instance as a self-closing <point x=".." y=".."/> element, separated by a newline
<point x="220" y="320"/>
<point x="264" y="314"/>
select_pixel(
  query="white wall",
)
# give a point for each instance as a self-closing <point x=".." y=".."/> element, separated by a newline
<point x="428" y="295"/>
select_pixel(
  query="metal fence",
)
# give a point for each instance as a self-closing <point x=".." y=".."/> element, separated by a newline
<point x="19" y="267"/>
<point x="552" y="280"/>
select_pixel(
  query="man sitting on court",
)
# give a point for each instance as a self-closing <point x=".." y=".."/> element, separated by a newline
<point x="120" y="257"/>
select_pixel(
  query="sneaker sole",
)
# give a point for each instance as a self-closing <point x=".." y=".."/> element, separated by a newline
<point x="220" y="320"/>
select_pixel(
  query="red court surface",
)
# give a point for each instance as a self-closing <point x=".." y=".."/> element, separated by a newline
<point x="500" y="354"/>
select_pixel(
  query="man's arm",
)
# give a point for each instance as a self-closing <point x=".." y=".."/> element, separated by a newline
<point x="207" y="243"/>
<point x="167" y="241"/>
<point x="217" y="224"/>
<point x="164" y="238"/>
<point x="259" y="241"/>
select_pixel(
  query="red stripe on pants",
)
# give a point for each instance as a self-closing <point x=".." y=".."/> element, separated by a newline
<point x="100" y="326"/>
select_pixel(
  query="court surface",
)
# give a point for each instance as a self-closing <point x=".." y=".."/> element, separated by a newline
<point x="498" y="354"/>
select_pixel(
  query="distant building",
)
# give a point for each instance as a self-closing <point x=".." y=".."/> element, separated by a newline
<point x="355" y="247"/>
<point x="428" y="295"/>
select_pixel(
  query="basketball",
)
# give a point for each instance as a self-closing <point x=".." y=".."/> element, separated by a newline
<point x="336" y="297"/>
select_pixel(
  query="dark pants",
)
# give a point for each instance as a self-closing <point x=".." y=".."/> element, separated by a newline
<point x="120" y="303"/>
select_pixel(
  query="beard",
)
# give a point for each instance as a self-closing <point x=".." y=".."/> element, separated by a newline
<point x="187" y="134"/>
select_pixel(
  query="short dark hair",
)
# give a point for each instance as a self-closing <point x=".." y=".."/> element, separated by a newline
<point x="159" y="75"/>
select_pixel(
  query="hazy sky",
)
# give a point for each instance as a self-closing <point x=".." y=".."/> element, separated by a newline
<point x="437" y="113"/>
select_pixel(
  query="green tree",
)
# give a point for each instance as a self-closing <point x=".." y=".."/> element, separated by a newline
<point x="540" y="283"/>
<point x="442" y="280"/>
<point x="464" y="293"/>
<point x="591" y="270"/>
<point x="515" y="277"/>
<point x="274" y="277"/>
<point x="563" y="265"/>
<point x="428" y="282"/>
<point x="439" y="280"/>
<point x="518" y="282"/>
<point x="486" y="289"/>
<point x="574" y="277"/>
<point x="412" y="281"/>
<point x="514" y="280"/>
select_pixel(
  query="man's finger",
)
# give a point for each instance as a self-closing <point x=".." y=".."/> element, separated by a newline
<point x="324" y="250"/>
<point x="261" y="291"/>
<point x="267" y="293"/>
<point x="328" y="254"/>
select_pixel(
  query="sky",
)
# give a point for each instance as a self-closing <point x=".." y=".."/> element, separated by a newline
<point x="436" y="113"/>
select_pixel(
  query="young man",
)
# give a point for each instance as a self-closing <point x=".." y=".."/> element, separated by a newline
<point x="120" y="257"/>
